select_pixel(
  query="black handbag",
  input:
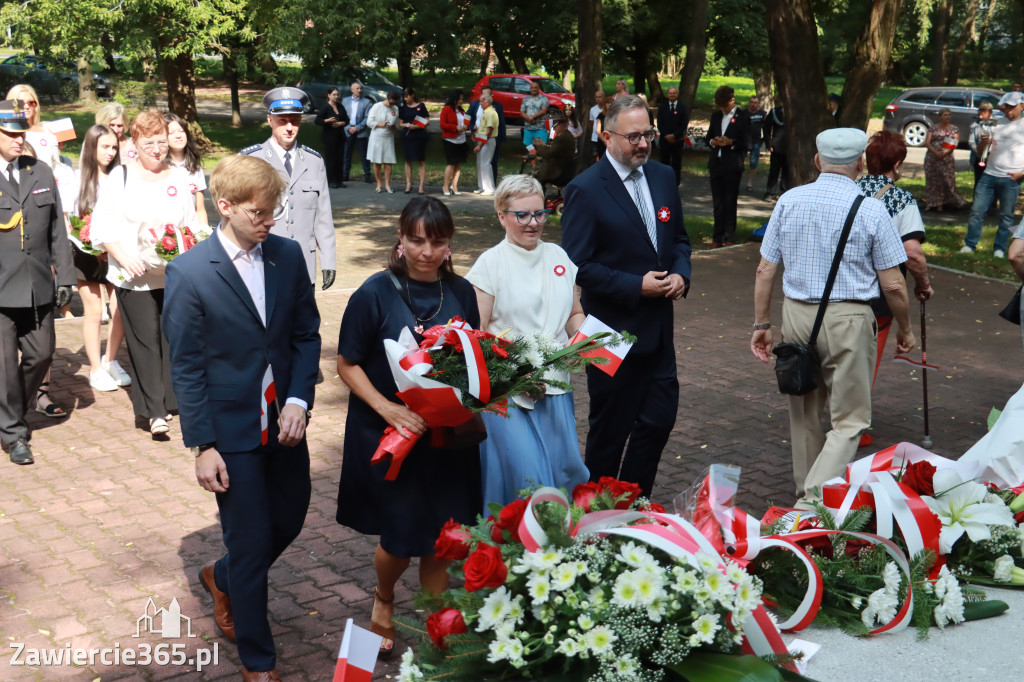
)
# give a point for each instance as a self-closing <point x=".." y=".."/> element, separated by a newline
<point x="796" y="364"/>
<point x="1011" y="313"/>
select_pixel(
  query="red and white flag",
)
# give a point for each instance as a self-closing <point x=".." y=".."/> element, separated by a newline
<point x="358" y="655"/>
<point x="481" y="138"/>
<point x="615" y="354"/>
<point x="421" y="121"/>
<point x="530" y="149"/>
<point x="268" y="396"/>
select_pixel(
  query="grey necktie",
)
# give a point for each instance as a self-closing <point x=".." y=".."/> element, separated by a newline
<point x="11" y="177"/>
<point x="288" y="163"/>
<point x="641" y="205"/>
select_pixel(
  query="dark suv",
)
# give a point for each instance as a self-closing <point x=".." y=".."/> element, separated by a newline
<point x="376" y="86"/>
<point x="915" y="110"/>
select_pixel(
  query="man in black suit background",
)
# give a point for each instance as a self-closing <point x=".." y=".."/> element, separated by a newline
<point x="727" y="136"/>
<point x="673" y="119"/>
<point x="623" y="228"/>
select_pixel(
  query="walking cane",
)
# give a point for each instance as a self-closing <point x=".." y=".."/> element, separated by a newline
<point x="926" y="442"/>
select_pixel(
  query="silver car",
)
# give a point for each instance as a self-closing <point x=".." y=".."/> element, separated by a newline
<point x="916" y="110"/>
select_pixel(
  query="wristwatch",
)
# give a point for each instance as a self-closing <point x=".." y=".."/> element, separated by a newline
<point x="200" y="449"/>
<point x="762" y="326"/>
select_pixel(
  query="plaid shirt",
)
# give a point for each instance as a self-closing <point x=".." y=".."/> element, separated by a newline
<point x="804" y="231"/>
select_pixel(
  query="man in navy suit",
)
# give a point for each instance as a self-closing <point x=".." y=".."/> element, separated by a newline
<point x="357" y="135"/>
<point x="673" y="119"/>
<point x="727" y="136"/>
<point x="243" y="330"/>
<point x="623" y="228"/>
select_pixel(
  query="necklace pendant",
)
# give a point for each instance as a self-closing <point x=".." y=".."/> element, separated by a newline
<point x="418" y="329"/>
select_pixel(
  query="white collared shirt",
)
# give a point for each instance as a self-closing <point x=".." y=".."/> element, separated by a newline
<point x="726" y="118"/>
<point x="281" y="150"/>
<point x="351" y="105"/>
<point x="249" y="265"/>
<point x="624" y="172"/>
<point x="3" y="169"/>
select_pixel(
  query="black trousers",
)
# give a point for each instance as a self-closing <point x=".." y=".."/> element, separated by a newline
<point x="778" y="173"/>
<point x="494" y="161"/>
<point x="261" y="513"/>
<point x="638" y="404"/>
<point x="672" y="155"/>
<point x="27" y="342"/>
<point x="725" y="192"/>
<point x="334" y="156"/>
<point x="351" y="144"/>
<point x="152" y="393"/>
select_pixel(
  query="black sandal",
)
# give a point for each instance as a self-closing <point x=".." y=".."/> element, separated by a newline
<point x="53" y="411"/>
<point x="387" y="632"/>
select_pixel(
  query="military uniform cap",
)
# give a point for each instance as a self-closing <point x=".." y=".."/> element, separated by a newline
<point x="285" y="100"/>
<point x="12" y="116"/>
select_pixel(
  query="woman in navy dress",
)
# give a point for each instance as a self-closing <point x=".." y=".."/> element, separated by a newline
<point x="433" y="485"/>
<point x="414" y="138"/>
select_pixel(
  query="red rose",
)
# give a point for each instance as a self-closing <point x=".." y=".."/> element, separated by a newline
<point x="447" y="621"/>
<point x="584" y="494"/>
<point x="918" y="477"/>
<point x="499" y="351"/>
<point x="453" y="542"/>
<point x="654" y="507"/>
<point x="484" y="568"/>
<point x="509" y="519"/>
<point x="168" y="244"/>
<point x="619" y="488"/>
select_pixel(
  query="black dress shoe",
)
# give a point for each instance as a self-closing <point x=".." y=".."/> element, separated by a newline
<point x="20" y="452"/>
<point x="333" y="185"/>
<point x="342" y="185"/>
<point x="367" y="178"/>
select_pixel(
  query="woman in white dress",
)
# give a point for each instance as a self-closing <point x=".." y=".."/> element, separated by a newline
<point x="183" y="153"/>
<point x="114" y="116"/>
<point x="129" y="217"/>
<point x="527" y="285"/>
<point x="382" y="122"/>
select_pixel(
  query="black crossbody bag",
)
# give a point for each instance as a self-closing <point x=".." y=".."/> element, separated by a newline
<point x="796" y="365"/>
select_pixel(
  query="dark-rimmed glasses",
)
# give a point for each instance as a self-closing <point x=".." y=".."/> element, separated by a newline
<point x="524" y="217"/>
<point x="634" y="138"/>
<point x="258" y="215"/>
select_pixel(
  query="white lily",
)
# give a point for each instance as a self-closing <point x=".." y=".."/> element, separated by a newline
<point x="961" y="508"/>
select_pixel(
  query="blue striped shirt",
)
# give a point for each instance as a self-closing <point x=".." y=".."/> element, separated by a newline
<point x="803" y="233"/>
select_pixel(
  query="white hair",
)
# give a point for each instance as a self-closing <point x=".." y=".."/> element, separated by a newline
<point x="515" y="187"/>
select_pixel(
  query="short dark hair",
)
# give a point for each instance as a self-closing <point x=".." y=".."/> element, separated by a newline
<point x="453" y="97"/>
<point x="437" y="221"/>
<point x="884" y="151"/>
<point x="723" y="95"/>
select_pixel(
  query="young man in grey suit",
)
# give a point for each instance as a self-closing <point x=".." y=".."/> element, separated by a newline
<point x="357" y="135"/>
<point x="306" y="199"/>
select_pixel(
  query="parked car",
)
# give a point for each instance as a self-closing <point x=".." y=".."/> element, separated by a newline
<point x="510" y="89"/>
<point x="916" y="110"/>
<point x="53" y="77"/>
<point x="376" y="85"/>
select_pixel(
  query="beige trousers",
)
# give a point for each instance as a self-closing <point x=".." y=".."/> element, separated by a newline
<point x="846" y="355"/>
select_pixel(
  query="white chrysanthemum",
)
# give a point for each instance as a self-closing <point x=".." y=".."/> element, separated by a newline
<point x="891" y="577"/>
<point x="495" y="609"/>
<point x="515" y="611"/>
<point x="541" y="560"/>
<point x="747" y="596"/>
<point x="626" y="665"/>
<point x="497" y="651"/>
<point x="707" y="563"/>
<point x="570" y="647"/>
<point x="686" y="581"/>
<point x="637" y="556"/>
<point x="881" y="608"/>
<point x="531" y="351"/>
<point x="734" y="573"/>
<point x="563" y="576"/>
<point x="1003" y="569"/>
<point x="704" y="629"/>
<point x="638" y="588"/>
<point x="856" y="601"/>
<point x="539" y="588"/>
<point x="409" y="671"/>
<point x="514" y="652"/>
<point x="585" y="621"/>
<point x="600" y="640"/>
<point x="951" y="608"/>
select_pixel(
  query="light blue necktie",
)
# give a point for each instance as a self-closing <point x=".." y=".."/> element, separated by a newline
<point x="645" y="215"/>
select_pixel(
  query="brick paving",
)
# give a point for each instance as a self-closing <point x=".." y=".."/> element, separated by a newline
<point x="109" y="517"/>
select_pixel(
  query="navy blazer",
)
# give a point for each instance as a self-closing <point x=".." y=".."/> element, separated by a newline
<point x="673" y="122"/>
<point x="607" y="240"/>
<point x="220" y="348"/>
<point x="730" y="158"/>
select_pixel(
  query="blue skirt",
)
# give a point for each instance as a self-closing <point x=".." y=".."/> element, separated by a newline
<point x="531" y="448"/>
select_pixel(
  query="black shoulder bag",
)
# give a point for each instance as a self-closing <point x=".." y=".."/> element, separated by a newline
<point x="796" y="365"/>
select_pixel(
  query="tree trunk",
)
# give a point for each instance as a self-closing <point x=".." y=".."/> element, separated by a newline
<point x="763" y="88"/>
<point x="499" y="55"/>
<point x="107" y="45"/>
<point x="518" y="58"/>
<point x="799" y="82"/>
<point x="567" y="79"/>
<point x="485" y="63"/>
<point x="404" y="60"/>
<point x="696" y="49"/>
<point x="180" y="75"/>
<point x="86" y="88"/>
<point x="871" y="54"/>
<point x="939" y="39"/>
<point x="231" y="75"/>
<point x="961" y="44"/>
<point x="654" y="83"/>
<point x="985" y="24"/>
<point x="640" y="55"/>
<point x="588" y="70"/>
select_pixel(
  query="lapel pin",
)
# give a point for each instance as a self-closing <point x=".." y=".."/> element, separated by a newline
<point x="664" y="214"/>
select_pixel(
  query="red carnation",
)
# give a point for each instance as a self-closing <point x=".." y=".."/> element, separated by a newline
<point x="168" y="244"/>
<point x="918" y="477"/>
<point x="447" y="621"/>
<point x="453" y="542"/>
<point x="509" y="519"/>
<point x="499" y="351"/>
<point x="88" y="218"/>
<point x="484" y="568"/>
<point x="619" y="488"/>
<point x="169" y="229"/>
<point x="83" y="234"/>
<point x="189" y="241"/>
<point x="584" y="494"/>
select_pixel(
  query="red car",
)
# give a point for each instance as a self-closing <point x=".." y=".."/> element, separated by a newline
<point x="510" y="88"/>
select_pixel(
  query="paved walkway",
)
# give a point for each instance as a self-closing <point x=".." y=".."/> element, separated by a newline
<point x="108" y="517"/>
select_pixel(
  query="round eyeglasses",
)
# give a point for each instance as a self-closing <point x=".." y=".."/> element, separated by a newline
<point x="258" y="214"/>
<point x="634" y="138"/>
<point x="524" y="217"/>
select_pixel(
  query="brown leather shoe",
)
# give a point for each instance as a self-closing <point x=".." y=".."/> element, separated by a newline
<point x="222" y="614"/>
<point x="263" y="676"/>
<point x="728" y="243"/>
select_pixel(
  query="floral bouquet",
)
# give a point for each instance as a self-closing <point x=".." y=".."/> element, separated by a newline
<point x="80" y="234"/>
<point x="159" y="246"/>
<point x="458" y="371"/>
<point x="605" y="588"/>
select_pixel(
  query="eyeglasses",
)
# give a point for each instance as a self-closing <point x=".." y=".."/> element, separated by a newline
<point x="149" y="146"/>
<point x="31" y="103"/>
<point x="259" y="215"/>
<point x="634" y="138"/>
<point x="524" y="217"/>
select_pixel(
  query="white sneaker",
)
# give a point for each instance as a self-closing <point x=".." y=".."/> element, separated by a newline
<point x="999" y="253"/>
<point x="158" y="427"/>
<point x="102" y="381"/>
<point x="116" y="372"/>
<point x="966" y="249"/>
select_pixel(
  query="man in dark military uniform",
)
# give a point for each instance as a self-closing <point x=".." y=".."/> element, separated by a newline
<point x="32" y="239"/>
<point x="306" y="200"/>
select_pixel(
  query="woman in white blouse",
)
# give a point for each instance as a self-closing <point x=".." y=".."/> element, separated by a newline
<point x="43" y="142"/>
<point x="131" y="215"/>
<point x="528" y="285"/>
<point x="382" y="121"/>
<point x="183" y="153"/>
<point x="114" y="116"/>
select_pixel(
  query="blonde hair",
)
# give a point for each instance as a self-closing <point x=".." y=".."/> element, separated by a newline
<point x="111" y="110"/>
<point x="515" y="187"/>
<point x="241" y="178"/>
<point x="18" y="91"/>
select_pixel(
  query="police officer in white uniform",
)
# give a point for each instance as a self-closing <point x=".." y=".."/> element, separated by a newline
<point x="32" y="240"/>
<point x="307" y="204"/>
